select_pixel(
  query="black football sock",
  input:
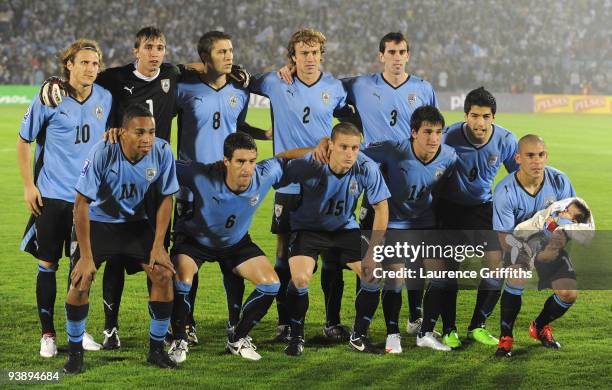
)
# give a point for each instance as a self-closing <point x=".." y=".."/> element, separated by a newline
<point x="192" y="297"/>
<point x="234" y="290"/>
<point x="366" y="302"/>
<point x="46" y="290"/>
<point x="112" y="289"/>
<point x="415" y="302"/>
<point x="433" y="303"/>
<point x="392" y="304"/>
<point x="180" y="309"/>
<point x="284" y="275"/>
<point x="76" y="316"/>
<point x="511" y="300"/>
<point x="449" y="308"/>
<point x="297" y="303"/>
<point x="554" y="308"/>
<point x="489" y="291"/>
<point x="255" y="308"/>
<point x="160" y="313"/>
<point x="332" y="283"/>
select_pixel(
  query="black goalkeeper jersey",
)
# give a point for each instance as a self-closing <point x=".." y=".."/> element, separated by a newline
<point x="158" y="94"/>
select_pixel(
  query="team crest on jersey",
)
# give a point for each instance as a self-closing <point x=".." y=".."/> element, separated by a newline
<point x="438" y="174"/>
<point x="353" y="187"/>
<point x="233" y="101"/>
<point x="492" y="160"/>
<point x="325" y="97"/>
<point x="150" y="173"/>
<point x="278" y="210"/>
<point x="165" y="84"/>
<point x="86" y="165"/>
<point x="254" y="199"/>
<point x="99" y="112"/>
<point x="412" y="99"/>
<point x="548" y="201"/>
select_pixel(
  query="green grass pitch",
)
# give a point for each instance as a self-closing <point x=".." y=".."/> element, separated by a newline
<point x="580" y="145"/>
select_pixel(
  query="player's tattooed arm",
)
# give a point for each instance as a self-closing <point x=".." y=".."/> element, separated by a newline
<point x="31" y="194"/>
<point x="159" y="254"/>
<point x="84" y="271"/>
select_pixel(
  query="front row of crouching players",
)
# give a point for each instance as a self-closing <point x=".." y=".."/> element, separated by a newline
<point x="226" y="196"/>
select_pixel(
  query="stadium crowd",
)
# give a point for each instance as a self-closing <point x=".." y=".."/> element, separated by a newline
<point x="544" y="46"/>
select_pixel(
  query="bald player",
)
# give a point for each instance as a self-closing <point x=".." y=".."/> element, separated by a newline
<point x="533" y="187"/>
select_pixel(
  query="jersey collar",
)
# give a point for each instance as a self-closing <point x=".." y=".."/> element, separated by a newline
<point x="464" y="130"/>
<point x="435" y="157"/>
<point x="142" y="76"/>
<point x="311" y="85"/>
<point x="389" y="84"/>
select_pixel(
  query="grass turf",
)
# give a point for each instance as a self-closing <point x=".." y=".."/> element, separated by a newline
<point x="578" y="144"/>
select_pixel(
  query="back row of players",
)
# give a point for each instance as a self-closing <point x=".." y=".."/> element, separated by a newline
<point x="122" y="183"/>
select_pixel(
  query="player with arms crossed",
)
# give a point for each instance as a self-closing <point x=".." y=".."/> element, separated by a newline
<point x="110" y="220"/>
<point x="64" y="136"/>
<point x="416" y="168"/>
<point x="325" y="221"/>
<point x="466" y="201"/>
<point x="302" y="114"/>
<point x="533" y="187"/>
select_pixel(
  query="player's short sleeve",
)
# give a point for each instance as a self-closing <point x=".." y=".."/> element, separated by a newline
<point x="92" y="172"/>
<point x="375" y="186"/>
<point x="33" y="120"/>
<point x="297" y="170"/>
<point x="260" y="83"/>
<point x="245" y="108"/>
<point x="185" y="172"/>
<point x="510" y="151"/>
<point x="503" y="209"/>
<point x="167" y="182"/>
<point x="564" y="186"/>
<point x="272" y="169"/>
<point x="380" y="151"/>
<point x="341" y="96"/>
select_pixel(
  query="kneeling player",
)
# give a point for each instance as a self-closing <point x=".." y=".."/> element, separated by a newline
<point x="225" y="198"/>
<point x="114" y="179"/>
<point x="325" y="220"/>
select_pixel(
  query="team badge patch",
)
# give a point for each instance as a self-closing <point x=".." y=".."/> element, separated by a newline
<point x="492" y="160"/>
<point x="325" y="97"/>
<point x="233" y="101"/>
<point x="278" y="210"/>
<point x="150" y="173"/>
<point x="353" y="187"/>
<point x="412" y="99"/>
<point x="86" y="165"/>
<point x="438" y="174"/>
<point x="254" y="199"/>
<point x="165" y="84"/>
<point x="99" y="112"/>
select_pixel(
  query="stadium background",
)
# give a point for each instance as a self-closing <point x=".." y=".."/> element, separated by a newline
<point x="517" y="51"/>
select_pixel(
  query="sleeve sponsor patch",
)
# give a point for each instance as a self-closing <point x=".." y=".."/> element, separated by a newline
<point x="85" y="168"/>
